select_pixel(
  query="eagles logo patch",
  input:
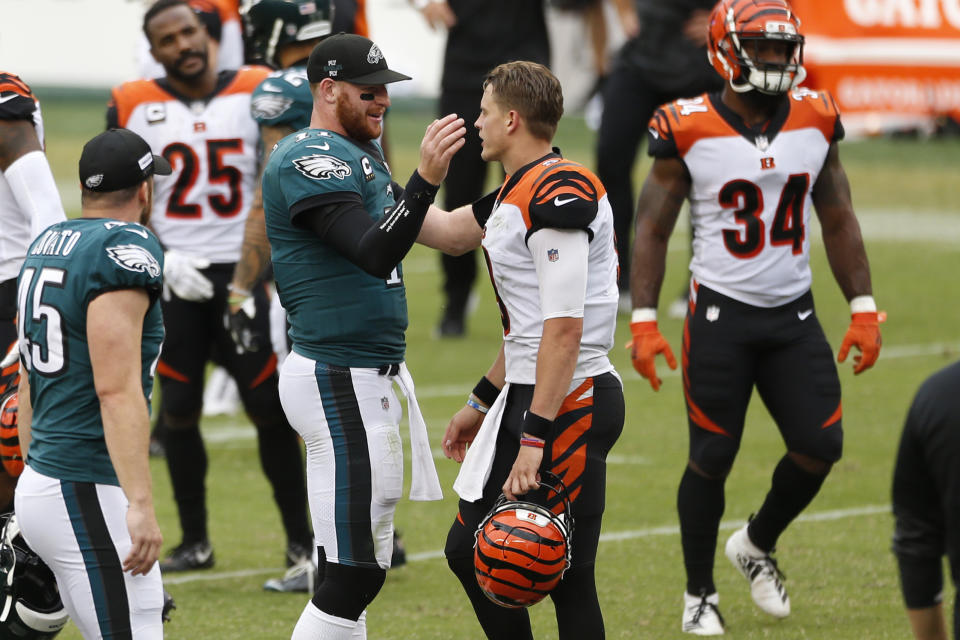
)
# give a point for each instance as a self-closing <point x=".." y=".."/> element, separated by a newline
<point x="320" y="167"/>
<point x="266" y="106"/>
<point x="133" y="257"/>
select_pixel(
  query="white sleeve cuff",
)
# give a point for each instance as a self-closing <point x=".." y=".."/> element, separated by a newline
<point x="863" y="304"/>
<point x="644" y="314"/>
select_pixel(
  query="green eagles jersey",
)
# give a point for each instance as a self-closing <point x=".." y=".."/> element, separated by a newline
<point x="67" y="266"/>
<point x="338" y="313"/>
<point x="283" y="98"/>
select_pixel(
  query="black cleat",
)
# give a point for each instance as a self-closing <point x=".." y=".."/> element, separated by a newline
<point x="168" y="606"/>
<point x="187" y="557"/>
<point x="399" y="556"/>
<point x="298" y="553"/>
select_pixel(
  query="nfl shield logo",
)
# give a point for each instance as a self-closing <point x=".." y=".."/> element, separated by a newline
<point x="385" y="403"/>
<point x="553" y="255"/>
<point x="713" y="312"/>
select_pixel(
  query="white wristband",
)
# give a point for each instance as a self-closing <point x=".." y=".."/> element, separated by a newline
<point x="863" y="304"/>
<point x="644" y="314"/>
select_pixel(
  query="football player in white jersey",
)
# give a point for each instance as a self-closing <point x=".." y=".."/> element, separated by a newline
<point x="552" y="400"/>
<point x="222" y="19"/>
<point x="200" y="121"/>
<point x="752" y="160"/>
<point x="29" y="203"/>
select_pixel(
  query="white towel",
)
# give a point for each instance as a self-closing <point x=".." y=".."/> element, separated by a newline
<point x="424" y="482"/>
<point x="479" y="459"/>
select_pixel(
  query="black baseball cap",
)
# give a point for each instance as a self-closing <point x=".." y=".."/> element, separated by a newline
<point x="117" y="159"/>
<point x="349" y="57"/>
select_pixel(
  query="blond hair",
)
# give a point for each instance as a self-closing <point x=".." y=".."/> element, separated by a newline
<point x="531" y="90"/>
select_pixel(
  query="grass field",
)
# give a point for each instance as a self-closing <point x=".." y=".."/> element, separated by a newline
<point x="841" y="575"/>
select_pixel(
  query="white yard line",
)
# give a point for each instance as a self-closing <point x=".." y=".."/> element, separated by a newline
<point x="615" y="536"/>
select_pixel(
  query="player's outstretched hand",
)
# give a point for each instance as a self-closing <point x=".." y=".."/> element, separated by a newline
<point x="463" y="428"/>
<point x="646" y="344"/>
<point x="145" y="539"/>
<point x="443" y="138"/>
<point x="864" y="333"/>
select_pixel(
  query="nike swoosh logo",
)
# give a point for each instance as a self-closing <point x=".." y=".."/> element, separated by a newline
<point x="271" y="87"/>
<point x="803" y="315"/>
<point x="559" y="203"/>
<point x="203" y="556"/>
<point x="9" y="97"/>
<point x="323" y="147"/>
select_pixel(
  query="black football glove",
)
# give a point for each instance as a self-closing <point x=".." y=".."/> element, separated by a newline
<point x="242" y="330"/>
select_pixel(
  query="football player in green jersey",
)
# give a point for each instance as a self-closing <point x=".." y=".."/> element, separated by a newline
<point x="281" y="104"/>
<point x="90" y="335"/>
<point x="338" y="227"/>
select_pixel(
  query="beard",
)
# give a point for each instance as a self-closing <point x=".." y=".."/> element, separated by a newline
<point x="355" y="122"/>
<point x="174" y="69"/>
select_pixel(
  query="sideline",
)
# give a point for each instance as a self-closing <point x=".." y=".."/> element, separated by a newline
<point x="615" y="536"/>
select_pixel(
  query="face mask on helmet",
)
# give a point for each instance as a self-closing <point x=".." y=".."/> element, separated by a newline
<point x="756" y="44"/>
<point x="523" y="549"/>
<point x="271" y="24"/>
<point x="30" y="608"/>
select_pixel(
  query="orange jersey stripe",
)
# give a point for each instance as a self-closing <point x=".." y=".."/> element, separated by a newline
<point x="129" y="95"/>
<point x="246" y="80"/>
<point x="818" y="112"/>
<point x="360" y="25"/>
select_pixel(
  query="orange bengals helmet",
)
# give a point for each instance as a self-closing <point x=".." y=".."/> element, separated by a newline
<point x="523" y="549"/>
<point x="736" y="29"/>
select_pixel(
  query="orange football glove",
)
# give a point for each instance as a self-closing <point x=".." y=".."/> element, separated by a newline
<point x="864" y="333"/>
<point x="646" y="344"/>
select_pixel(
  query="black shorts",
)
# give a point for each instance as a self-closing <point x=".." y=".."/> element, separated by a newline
<point x="729" y="348"/>
<point x="196" y="334"/>
<point x="8" y="311"/>
<point x="586" y="428"/>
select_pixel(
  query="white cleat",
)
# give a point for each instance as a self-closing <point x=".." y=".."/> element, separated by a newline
<point x="701" y="617"/>
<point x="761" y="571"/>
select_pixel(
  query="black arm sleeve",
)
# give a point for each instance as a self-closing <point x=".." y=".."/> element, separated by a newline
<point x="376" y="246"/>
<point x="483" y="208"/>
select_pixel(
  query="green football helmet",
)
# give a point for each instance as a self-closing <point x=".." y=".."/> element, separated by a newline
<point x="270" y="24"/>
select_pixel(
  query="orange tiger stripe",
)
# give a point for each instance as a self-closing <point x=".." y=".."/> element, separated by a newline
<point x="522" y="194"/>
<point x="12" y="82"/>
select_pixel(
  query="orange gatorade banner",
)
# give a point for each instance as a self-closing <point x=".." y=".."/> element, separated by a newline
<point x="889" y="63"/>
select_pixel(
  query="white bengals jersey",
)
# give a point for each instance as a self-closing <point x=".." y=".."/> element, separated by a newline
<point x="750" y="197"/>
<point x="212" y="146"/>
<point x="16" y="103"/>
<point x="551" y="193"/>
